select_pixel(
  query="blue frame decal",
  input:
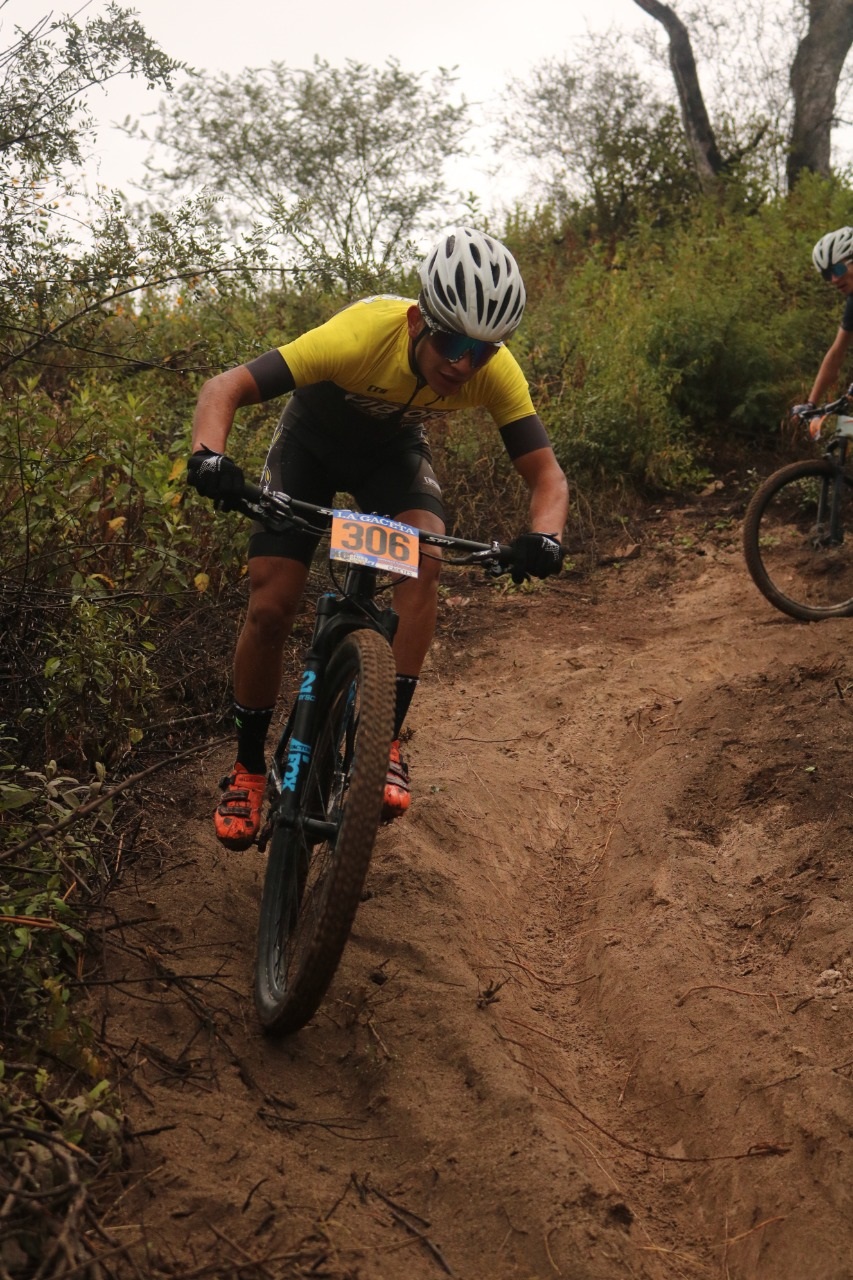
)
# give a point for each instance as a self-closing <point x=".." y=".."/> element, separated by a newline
<point x="298" y="755"/>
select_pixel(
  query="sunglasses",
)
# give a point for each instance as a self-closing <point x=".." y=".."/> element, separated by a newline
<point x="836" y="271"/>
<point x="453" y="347"/>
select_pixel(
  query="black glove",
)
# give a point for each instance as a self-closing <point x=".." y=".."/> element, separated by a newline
<point x="215" y="476"/>
<point x="803" y="410"/>
<point x="536" y="555"/>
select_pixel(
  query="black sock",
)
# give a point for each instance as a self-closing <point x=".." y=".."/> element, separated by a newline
<point x="252" y="725"/>
<point x="406" y="686"/>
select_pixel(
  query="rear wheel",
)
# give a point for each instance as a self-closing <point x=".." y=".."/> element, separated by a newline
<point x="794" y="542"/>
<point x="317" y="866"/>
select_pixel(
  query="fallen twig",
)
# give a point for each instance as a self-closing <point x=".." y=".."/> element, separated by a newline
<point x="756" y="1149"/>
<point x="717" y="986"/>
<point x="412" y="1222"/>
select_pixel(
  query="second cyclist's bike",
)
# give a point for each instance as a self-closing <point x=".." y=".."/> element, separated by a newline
<point x="798" y="528"/>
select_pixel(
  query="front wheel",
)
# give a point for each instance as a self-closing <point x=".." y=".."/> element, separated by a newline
<point x="317" y="864"/>
<point x="794" y="541"/>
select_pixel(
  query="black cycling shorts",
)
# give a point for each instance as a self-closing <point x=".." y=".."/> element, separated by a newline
<point x="385" y="472"/>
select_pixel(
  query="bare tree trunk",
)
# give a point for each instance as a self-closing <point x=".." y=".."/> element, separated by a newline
<point x="814" y="82"/>
<point x="697" y="126"/>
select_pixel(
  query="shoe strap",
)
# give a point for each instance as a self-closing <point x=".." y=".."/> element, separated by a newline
<point x="398" y="773"/>
<point x="236" y="802"/>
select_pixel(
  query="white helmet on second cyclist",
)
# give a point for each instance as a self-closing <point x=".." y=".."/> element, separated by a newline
<point x="472" y="285"/>
<point x="835" y="246"/>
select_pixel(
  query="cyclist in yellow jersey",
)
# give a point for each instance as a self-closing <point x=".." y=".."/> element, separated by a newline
<point x="365" y="387"/>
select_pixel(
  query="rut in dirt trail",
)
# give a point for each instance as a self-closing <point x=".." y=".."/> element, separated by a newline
<point x="594" y="1017"/>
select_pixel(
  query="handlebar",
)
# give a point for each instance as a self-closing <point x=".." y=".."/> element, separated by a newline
<point x="278" y="511"/>
<point x="814" y="418"/>
<point x="835" y="406"/>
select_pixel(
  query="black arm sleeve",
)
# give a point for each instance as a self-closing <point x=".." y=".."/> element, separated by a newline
<point x="524" y="435"/>
<point x="272" y="375"/>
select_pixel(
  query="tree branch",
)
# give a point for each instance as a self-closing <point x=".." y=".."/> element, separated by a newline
<point x="697" y="125"/>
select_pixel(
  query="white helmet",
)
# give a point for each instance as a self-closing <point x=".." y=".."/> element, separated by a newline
<point x="472" y="285"/>
<point x="835" y="246"/>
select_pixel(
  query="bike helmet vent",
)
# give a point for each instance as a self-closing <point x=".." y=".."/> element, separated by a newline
<point x="472" y="285"/>
<point x="835" y="246"/>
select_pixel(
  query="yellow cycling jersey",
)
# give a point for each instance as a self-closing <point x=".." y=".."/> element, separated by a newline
<point x="363" y="351"/>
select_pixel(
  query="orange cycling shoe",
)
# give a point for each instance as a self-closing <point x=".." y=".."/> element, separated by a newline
<point x="398" y="797"/>
<point x="238" y="816"/>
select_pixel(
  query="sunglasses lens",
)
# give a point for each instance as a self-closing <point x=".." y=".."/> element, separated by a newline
<point x="835" y="272"/>
<point x="483" y="352"/>
<point x="450" y="346"/>
<point x="453" y="346"/>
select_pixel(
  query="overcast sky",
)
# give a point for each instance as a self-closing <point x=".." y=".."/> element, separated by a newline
<point x="489" y="41"/>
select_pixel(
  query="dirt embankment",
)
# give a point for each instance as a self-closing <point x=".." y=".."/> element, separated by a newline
<point x="595" y="1017"/>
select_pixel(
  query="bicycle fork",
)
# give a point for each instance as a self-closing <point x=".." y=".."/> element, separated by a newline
<point x="829" y="526"/>
<point x="288" y="774"/>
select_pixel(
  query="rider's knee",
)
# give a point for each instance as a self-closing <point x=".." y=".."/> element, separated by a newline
<point x="275" y="592"/>
<point x="271" y="613"/>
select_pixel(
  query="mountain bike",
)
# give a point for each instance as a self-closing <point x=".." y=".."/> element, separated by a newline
<point x="327" y="777"/>
<point x="794" y="529"/>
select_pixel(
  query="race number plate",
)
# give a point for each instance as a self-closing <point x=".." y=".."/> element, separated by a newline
<point x="375" y="541"/>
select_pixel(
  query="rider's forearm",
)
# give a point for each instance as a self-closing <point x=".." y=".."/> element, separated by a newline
<point x="218" y="401"/>
<point x="827" y="376"/>
<point x="549" y="505"/>
<point x="830" y="368"/>
<point x="549" y="490"/>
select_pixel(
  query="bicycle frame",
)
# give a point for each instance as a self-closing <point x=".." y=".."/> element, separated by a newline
<point x="836" y="455"/>
<point x="337" y="614"/>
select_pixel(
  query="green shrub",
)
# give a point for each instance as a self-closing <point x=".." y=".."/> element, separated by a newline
<point x="61" y="1122"/>
<point x="649" y="357"/>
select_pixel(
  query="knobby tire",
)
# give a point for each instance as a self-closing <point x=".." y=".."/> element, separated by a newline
<point x="312" y="887"/>
<point x="791" y="556"/>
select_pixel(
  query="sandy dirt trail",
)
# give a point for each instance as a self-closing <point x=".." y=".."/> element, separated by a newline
<point x="595" y="1016"/>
